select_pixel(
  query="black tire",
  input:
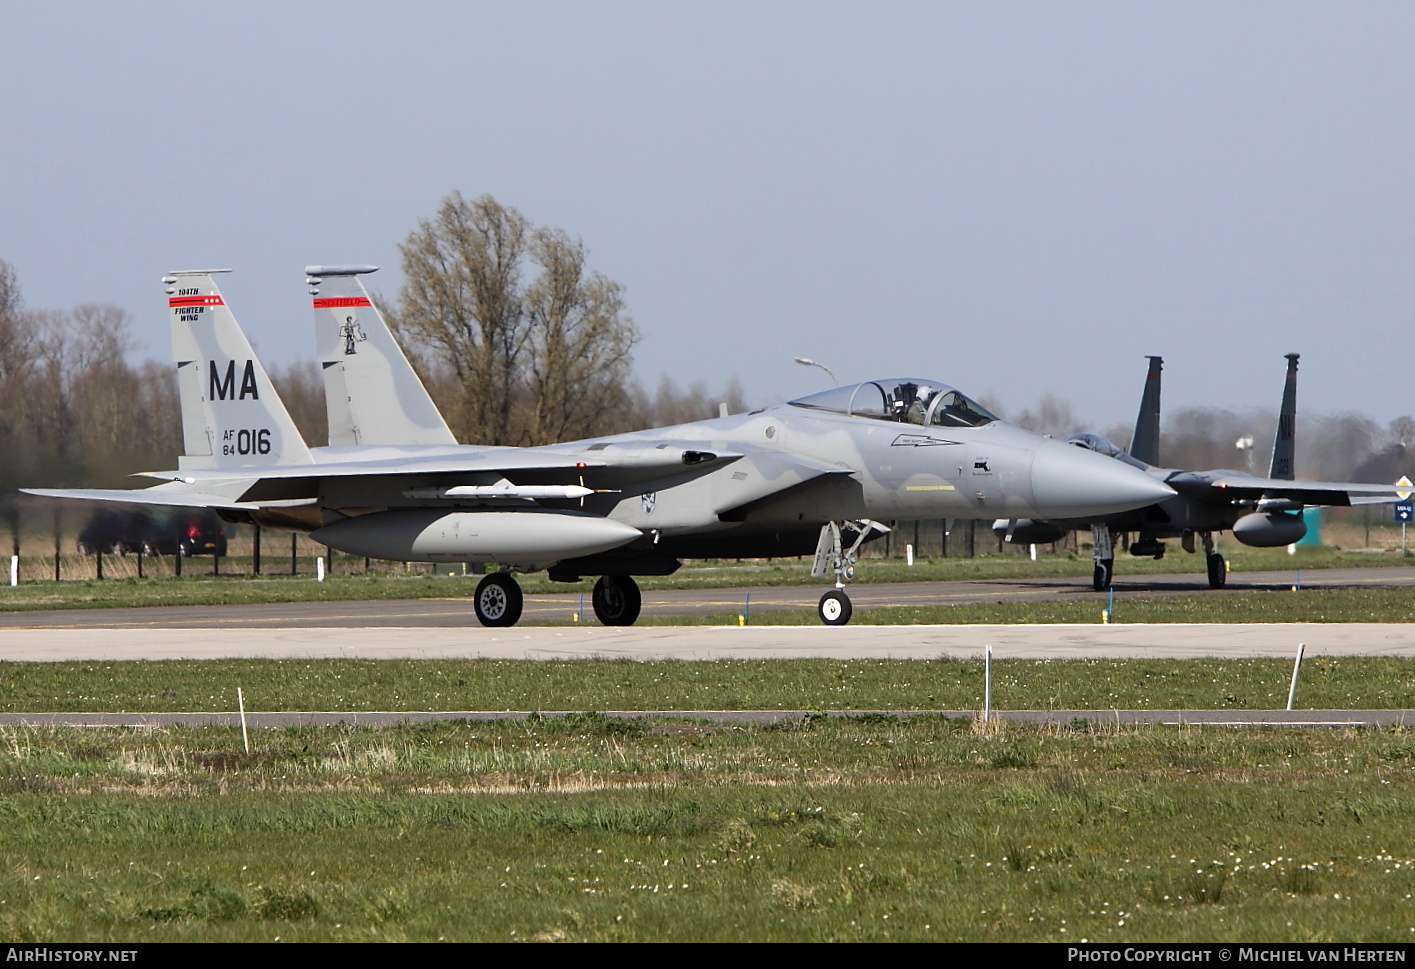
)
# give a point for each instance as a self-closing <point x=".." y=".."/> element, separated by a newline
<point x="834" y="608"/>
<point x="616" y="600"/>
<point x="1218" y="570"/>
<point x="497" y="600"/>
<point x="1100" y="578"/>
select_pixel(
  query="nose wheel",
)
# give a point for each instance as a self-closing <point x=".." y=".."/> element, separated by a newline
<point x="616" y="600"/>
<point x="835" y="608"/>
<point x="498" y="600"/>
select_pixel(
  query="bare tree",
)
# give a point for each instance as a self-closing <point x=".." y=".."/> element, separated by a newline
<point x="1337" y="444"/>
<point x="301" y="389"/>
<point x="17" y="372"/>
<point x="579" y="345"/>
<point x="462" y="300"/>
<point x="1052" y="416"/>
<point x="525" y="363"/>
<point x="696" y="402"/>
<point x="1402" y="430"/>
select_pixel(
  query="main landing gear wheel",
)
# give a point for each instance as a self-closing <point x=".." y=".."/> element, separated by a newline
<point x="835" y="608"/>
<point x="1100" y="578"/>
<point x="1218" y="570"/>
<point x="497" y="600"/>
<point x="616" y="600"/>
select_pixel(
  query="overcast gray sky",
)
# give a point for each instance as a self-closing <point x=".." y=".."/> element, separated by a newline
<point x="1012" y="197"/>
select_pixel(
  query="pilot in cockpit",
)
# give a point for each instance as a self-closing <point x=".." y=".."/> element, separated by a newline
<point x="910" y="405"/>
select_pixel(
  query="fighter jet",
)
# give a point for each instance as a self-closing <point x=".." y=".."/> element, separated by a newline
<point x="810" y="476"/>
<point x="1261" y="512"/>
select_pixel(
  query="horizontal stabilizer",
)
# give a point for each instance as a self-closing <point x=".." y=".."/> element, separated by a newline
<point x="161" y="495"/>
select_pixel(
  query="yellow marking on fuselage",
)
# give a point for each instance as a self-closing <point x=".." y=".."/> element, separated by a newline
<point x="929" y="488"/>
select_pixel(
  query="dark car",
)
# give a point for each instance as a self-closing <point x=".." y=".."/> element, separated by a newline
<point x="115" y="532"/>
<point x="187" y="534"/>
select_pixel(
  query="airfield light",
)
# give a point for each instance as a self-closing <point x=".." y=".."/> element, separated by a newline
<point x="808" y="362"/>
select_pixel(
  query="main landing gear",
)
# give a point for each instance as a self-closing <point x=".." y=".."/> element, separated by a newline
<point x="1103" y="556"/>
<point x="834" y="608"/>
<point x="1218" y="568"/>
<point x="498" y="600"/>
<point x="616" y="599"/>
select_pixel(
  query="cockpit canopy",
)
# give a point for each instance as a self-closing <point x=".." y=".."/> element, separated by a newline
<point x="1094" y="442"/>
<point x="908" y="400"/>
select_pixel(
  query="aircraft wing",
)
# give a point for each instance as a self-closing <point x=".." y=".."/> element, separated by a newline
<point x="276" y="486"/>
<point x="1236" y="486"/>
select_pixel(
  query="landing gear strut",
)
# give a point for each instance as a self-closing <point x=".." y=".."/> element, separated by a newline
<point x="497" y="600"/>
<point x="616" y="600"/>
<point x="1218" y="568"/>
<point x="1103" y="556"/>
<point x="831" y="555"/>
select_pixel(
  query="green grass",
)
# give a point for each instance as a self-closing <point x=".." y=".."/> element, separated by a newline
<point x="206" y="589"/>
<point x="484" y="684"/>
<point x="591" y="829"/>
<point x="1308" y="605"/>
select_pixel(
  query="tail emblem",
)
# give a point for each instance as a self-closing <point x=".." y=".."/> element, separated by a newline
<point x="352" y="334"/>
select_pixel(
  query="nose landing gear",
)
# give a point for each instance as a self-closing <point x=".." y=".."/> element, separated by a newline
<point x="831" y="555"/>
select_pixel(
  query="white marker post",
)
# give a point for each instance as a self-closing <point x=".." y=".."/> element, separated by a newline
<point x="14" y="570"/>
<point x="1402" y="509"/>
<point x="1292" y="690"/>
<point x="909" y="555"/>
<point x="241" y="704"/>
<point x="319" y="568"/>
<point x="987" y="682"/>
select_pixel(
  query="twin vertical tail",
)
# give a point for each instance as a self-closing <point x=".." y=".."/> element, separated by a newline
<point x="372" y="394"/>
<point x="1285" y="442"/>
<point x="1145" y="444"/>
<point x="231" y="414"/>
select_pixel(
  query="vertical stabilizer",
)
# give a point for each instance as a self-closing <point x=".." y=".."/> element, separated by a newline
<point x="231" y="415"/>
<point x="370" y="390"/>
<point x="1145" y="445"/>
<point x="1284" y="464"/>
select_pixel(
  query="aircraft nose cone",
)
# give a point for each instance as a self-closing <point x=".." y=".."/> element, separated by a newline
<point x="1071" y="482"/>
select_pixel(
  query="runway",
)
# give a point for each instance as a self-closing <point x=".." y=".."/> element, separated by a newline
<point x="1168" y="641"/>
<point x="443" y="628"/>
<point x="455" y="611"/>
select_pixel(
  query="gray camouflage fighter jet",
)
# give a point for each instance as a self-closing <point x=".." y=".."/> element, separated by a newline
<point x="1261" y="512"/>
<point x="812" y="475"/>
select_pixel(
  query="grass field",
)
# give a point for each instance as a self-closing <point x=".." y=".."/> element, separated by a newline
<point x="590" y="828"/>
<point x="598" y="829"/>
<point x="1369" y="683"/>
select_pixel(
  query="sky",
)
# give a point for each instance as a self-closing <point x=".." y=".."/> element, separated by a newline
<point x="1013" y="198"/>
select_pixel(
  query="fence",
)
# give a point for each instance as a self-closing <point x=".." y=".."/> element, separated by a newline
<point x="45" y="539"/>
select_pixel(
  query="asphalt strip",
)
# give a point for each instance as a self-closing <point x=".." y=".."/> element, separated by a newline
<point x="1041" y="641"/>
